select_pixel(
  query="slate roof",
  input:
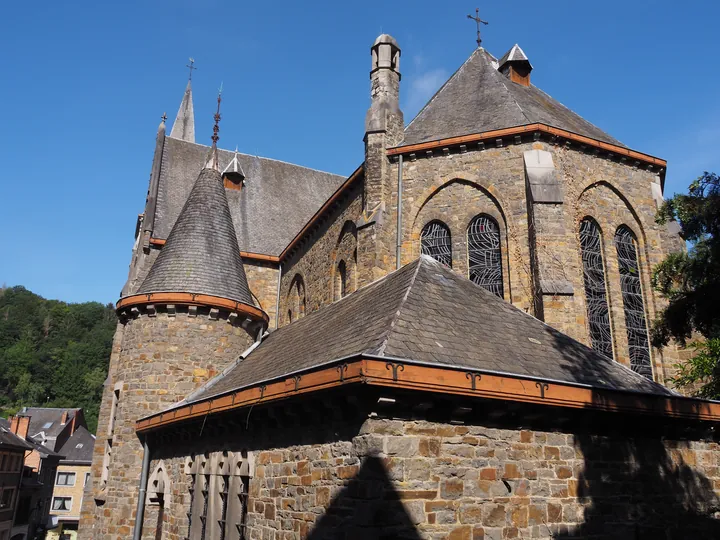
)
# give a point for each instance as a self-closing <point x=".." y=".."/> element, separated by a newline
<point x="79" y="447"/>
<point x="9" y="440"/>
<point x="274" y="204"/>
<point x="479" y="98"/>
<point x="201" y="254"/>
<point x="425" y="312"/>
<point x="44" y="451"/>
<point x="42" y="416"/>
<point x="184" y="125"/>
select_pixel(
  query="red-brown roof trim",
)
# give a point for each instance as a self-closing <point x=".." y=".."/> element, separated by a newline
<point x="529" y="128"/>
<point x="191" y="299"/>
<point x="443" y="379"/>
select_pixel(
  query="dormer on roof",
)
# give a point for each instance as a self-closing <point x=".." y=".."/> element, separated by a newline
<point x="233" y="175"/>
<point x="515" y="66"/>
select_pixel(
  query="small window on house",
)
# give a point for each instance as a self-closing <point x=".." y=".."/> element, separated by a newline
<point x="79" y="445"/>
<point x="7" y="498"/>
<point x="62" y="504"/>
<point x="65" y="478"/>
<point x="435" y="241"/>
<point x="87" y="479"/>
<point x="47" y="425"/>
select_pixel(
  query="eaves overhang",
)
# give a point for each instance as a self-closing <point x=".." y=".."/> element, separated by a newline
<point x="453" y="380"/>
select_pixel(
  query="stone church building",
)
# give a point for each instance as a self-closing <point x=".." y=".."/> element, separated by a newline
<point x="452" y="342"/>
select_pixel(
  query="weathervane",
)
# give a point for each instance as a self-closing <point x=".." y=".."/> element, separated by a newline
<point x="190" y="65"/>
<point x="477" y="20"/>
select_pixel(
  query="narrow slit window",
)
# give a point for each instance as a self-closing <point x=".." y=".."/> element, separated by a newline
<point x="595" y="291"/>
<point x="633" y="303"/>
<point x="435" y="241"/>
<point x="484" y="257"/>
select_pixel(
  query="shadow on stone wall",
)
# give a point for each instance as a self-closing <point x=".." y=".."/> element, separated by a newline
<point x="368" y="507"/>
<point x="639" y="479"/>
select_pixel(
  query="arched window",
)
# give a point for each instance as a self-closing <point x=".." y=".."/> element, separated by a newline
<point x="595" y="292"/>
<point x="435" y="241"/>
<point x="637" y="333"/>
<point x="296" y="298"/>
<point x="484" y="260"/>
<point x="341" y="280"/>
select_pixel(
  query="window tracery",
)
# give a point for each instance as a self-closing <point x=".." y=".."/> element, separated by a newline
<point x="484" y="256"/>
<point x="633" y="303"/>
<point x="595" y="290"/>
<point x="435" y="240"/>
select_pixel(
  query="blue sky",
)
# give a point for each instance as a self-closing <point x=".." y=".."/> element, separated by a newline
<point x="84" y="85"/>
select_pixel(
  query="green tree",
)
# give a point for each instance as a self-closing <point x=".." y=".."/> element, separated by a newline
<point x="691" y="283"/>
<point x="53" y="353"/>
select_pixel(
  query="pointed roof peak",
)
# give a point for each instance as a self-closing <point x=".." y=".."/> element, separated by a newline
<point x="202" y="254"/>
<point x="234" y="170"/>
<point x="184" y="125"/>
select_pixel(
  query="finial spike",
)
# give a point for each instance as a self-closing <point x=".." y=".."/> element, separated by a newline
<point x="216" y="129"/>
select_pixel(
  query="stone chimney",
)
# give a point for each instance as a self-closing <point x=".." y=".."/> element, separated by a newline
<point x="516" y="66"/>
<point x="19" y="425"/>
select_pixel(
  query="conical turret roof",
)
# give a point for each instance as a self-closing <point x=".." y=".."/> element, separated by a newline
<point x="201" y="255"/>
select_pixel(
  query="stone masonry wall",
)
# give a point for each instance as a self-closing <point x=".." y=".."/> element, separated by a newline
<point x="316" y="260"/>
<point x="262" y="279"/>
<point x="420" y="479"/>
<point x="157" y="361"/>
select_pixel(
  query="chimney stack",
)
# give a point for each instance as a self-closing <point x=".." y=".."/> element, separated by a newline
<point x="19" y="425"/>
<point x="63" y="418"/>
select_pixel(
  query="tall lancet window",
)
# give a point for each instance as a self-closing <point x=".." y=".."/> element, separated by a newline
<point x="484" y="259"/>
<point x="595" y="291"/>
<point x="435" y="241"/>
<point x="637" y="332"/>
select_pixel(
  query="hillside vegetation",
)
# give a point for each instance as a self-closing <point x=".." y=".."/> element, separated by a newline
<point x="53" y="354"/>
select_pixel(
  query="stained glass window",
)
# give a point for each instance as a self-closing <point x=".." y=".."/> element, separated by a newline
<point x="484" y="262"/>
<point x="595" y="291"/>
<point x="633" y="302"/>
<point x="435" y="241"/>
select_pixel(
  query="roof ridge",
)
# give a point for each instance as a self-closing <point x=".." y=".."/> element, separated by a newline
<point x="260" y="157"/>
<point x="381" y="349"/>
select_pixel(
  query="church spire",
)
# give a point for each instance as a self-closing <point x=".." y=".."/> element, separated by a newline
<point x="184" y="126"/>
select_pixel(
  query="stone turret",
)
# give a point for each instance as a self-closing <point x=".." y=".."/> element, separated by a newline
<point x="191" y="317"/>
<point x="384" y="114"/>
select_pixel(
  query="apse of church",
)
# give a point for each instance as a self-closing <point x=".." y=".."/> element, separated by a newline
<point x="452" y="342"/>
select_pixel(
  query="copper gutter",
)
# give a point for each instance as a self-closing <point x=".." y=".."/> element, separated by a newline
<point x="190" y="299"/>
<point x="400" y="373"/>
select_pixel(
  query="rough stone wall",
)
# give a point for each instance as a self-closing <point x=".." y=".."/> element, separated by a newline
<point x="317" y="259"/>
<point x="263" y="282"/>
<point x="156" y="361"/>
<point x="420" y="479"/>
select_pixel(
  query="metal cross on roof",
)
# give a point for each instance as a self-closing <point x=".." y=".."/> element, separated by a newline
<point x="477" y="20"/>
<point x="164" y="117"/>
<point x="190" y="65"/>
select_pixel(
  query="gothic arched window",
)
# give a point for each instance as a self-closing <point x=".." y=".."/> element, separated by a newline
<point x="296" y="298"/>
<point x="341" y="280"/>
<point x="435" y="241"/>
<point x="484" y="259"/>
<point x="637" y="333"/>
<point x="595" y="292"/>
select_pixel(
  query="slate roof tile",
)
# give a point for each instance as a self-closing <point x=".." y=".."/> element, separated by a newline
<point x="201" y="254"/>
<point x="479" y="98"/>
<point x="473" y="329"/>
<point x="277" y="199"/>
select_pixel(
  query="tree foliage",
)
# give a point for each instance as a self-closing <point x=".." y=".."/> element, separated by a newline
<point x="53" y="354"/>
<point x="691" y="283"/>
